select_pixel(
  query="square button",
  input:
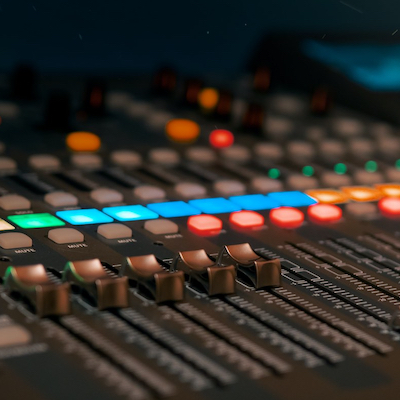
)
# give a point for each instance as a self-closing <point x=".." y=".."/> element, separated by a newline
<point x="161" y="227"/>
<point x="65" y="235"/>
<point x="173" y="209"/>
<point x="42" y="220"/>
<point x="11" y="202"/>
<point x="84" y="217"/>
<point x="254" y="202"/>
<point x="215" y="205"/>
<point x="14" y="240"/>
<point x="130" y="213"/>
<point x="114" y="231"/>
<point x="292" y="199"/>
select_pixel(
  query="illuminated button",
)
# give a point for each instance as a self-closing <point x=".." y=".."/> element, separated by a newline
<point x="130" y="213"/>
<point x="254" y="202"/>
<point x="292" y="199"/>
<point x="265" y="185"/>
<point x="5" y="226"/>
<point x="268" y="151"/>
<point x="83" y="141"/>
<point x="42" y="220"/>
<point x="173" y="209"/>
<point x="164" y="156"/>
<point x="65" y="235"/>
<point x="182" y="130"/>
<point x="44" y="162"/>
<point x="14" y="240"/>
<point x="106" y="195"/>
<point x="390" y="206"/>
<point x="61" y="199"/>
<point x="328" y="196"/>
<point x="363" y="211"/>
<point x="221" y="138"/>
<point x="389" y="190"/>
<point x="300" y="182"/>
<point x="286" y="217"/>
<point x="246" y="219"/>
<point x="229" y="187"/>
<point x="367" y="178"/>
<point x="149" y="193"/>
<point x="214" y="206"/>
<point x="332" y="179"/>
<point x="236" y="153"/>
<point x="7" y="165"/>
<point x="126" y="158"/>
<point x="362" y="193"/>
<point x="202" y="155"/>
<point x="114" y="231"/>
<point x="208" y="98"/>
<point x="86" y="160"/>
<point x="161" y="227"/>
<point x="84" y="217"/>
<point x="190" y="190"/>
<point x="12" y="202"/>
<point x="204" y="225"/>
<point x="325" y="212"/>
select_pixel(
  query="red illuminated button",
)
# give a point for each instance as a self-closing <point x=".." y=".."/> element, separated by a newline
<point x="286" y="217"/>
<point x="204" y="225"/>
<point x="221" y="138"/>
<point x="325" y="213"/>
<point x="246" y="219"/>
<point x="390" y="206"/>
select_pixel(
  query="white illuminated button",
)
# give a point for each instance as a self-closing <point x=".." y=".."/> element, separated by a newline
<point x="202" y="155"/>
<point x="300" y="182"/>
<point x="229" y="187"/>
<point x="190" y="190"/>
<point x="11" y="202"/>
<point x="126" y="158"/>
<point x="61" y="199"/>
<point x="65" y="235"/>
<point x="148" y="193"/>
<point x="367" y="178"/>
<point x="332" y="179"/>
<point x="347" y="126"/>
<point x="236" y="153"/>
<point x="5" y="226"/>
<point x="14" y="240"/>
<point x="106" y="195"/>
<point x="7" y="164"/>
<point x="164" y="156"/>
<point x="86" y="160"/>
<point x="332" y="148"/>
<point x="363" y="211"/>
<point x="114" y="231"/>
<point x="44" y="162"/>
<point x="361" y="147"/>
<point x="161" y="227"/>
<point x="300" y="149"/>
<point x="14" y="335"/>
<point x="265" y="185"/>
<point x="268" y="151"/>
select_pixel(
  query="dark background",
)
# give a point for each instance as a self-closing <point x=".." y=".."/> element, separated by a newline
<point x="195" y="36"/>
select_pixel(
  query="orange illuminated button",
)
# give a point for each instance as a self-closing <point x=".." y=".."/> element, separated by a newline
<point x="83" y="141"/>
<point x="182" y="130"/>
<point x="286" y="217"/>
<point x="324" y="213"/>
<point x="246" y="219"/>
<point x="328" y="196"/>
<point x="390" y="206"/>
<point x="362" y="193"/>
<point x="389" y="189"/>
<point x="204" y="225"/>
<point x="221" y="138"/>
<point x="208" y="98"/>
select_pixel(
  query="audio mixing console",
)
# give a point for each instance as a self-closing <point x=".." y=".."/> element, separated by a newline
<point x="171" y="238"/>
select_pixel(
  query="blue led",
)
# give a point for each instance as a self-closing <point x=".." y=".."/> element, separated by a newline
<point x="292" y="199"/>
<point x="254" y="202"/>
<point x="84" y="217"/>
<point x="130" y="213"/>
<point x="173" y="209"/>
<point x="215" y="206"/>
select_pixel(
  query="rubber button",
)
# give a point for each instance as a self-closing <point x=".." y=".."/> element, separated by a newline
<point x="61" y="199"/>
<point x="324" y="213"/>
<point x="11" y="202"/>
<point x="65" y="235"/>
<point x="161" y="227"/>
<point x="83" y="141"/>
<point x="114" y="231"/>
<point x="182" y="130"/>
<point x="204" y="225"/>
<point x="14" y="240"/>
<point x="286" y="217"/>
<point x="246" y="219"/>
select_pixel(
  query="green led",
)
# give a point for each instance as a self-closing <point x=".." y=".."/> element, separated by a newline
<point x="308" y="170"/>
<point x="397" y="164"/>
<point x="42" y="220"/>
<point x="274" y="173"/>
<point x="371" y="166"/>
<point x="340" y="168"/>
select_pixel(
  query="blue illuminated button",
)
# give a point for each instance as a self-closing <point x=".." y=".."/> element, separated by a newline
<point x="130" y="213"/>
<point x="215" y="206"/>
<point x="292" y="199"/>
<point x="84" y="217"/>
<point x="254" y="202"/>
<point x="173" y="209"/>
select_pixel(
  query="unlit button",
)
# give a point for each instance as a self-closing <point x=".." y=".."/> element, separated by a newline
<point x="7" y="165"/>
<point x="164" y="156"/>
<point x="229" y="187"/>
<point x="332" y="179"/>
<point x="126" y="158"/>
<point x="361" y="147"/>
<point x="114" y="231"/>
<point x="106" y="195"/>
<point x="149" y="193"/>
<point x="11" y="202"/>
<point x="190" y="190"/>
<point x="368" y="178"/>
<point x="65" y="235"/>
<point x="300" y="182"/>
<point x="332" y="148"/>
<point x="61" y="199"/>
<point x="393" y="174"/>
<point x="14" y="240"/>
<point x="236" y="153"/>
<point x="268" y="151"/>
<point x="14" y="335"/>
<point x="347" y="126"/>
<point x="161" y="227"/>
<point x="265" y="185"/>
<point x="44" y="162"/>
<point x="300" y="149"/>
<point x="201" y="155"/>
<point x="364" y="211"/>
<point x="86" y="160"/>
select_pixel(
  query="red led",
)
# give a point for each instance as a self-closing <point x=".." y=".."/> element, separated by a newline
<point x="324" y="213"/>
<point x="286" y="217"/>
<point x="246" y="219"/>
<point x="390" y="206"/>
<point x="221" y="138"/>
<point x="204" y="225"/>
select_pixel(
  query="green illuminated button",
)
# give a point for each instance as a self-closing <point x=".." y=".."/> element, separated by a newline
<point x="274" y="173"/>
<point x="371" y="166"/>
<point x="340" y="168"/>
<point x="308" y="170"/>
<point x="42" y="220"/>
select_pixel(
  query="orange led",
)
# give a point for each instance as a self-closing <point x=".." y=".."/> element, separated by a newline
<point x="246" y="219"/>
<point x="208" y="98"/>
<point x="204" y="225"/>
<point x="324" y="213"/>
<point x="83" y="141"/>
<point x="182" y="130"/>
<point x="362" y="193"/>
<point x="390" y="206"/>
<point x="328" y="196"/>
<point x="286" y="217"/>
<point x="221" y="138"/>
<point x="389" y="189"/>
